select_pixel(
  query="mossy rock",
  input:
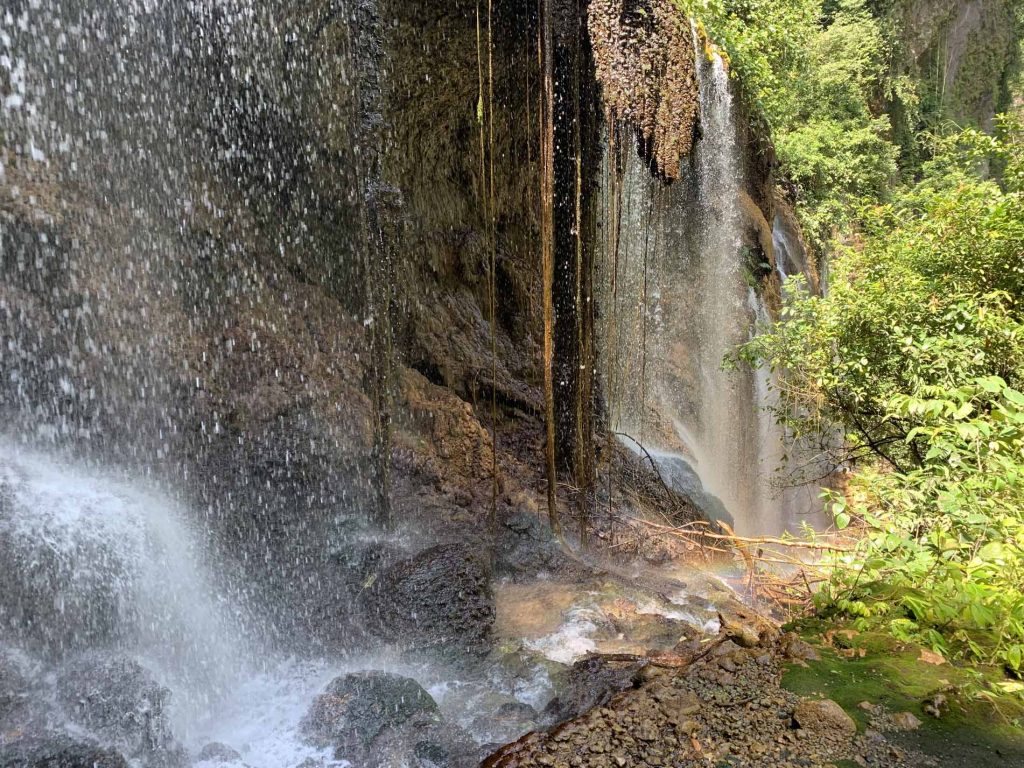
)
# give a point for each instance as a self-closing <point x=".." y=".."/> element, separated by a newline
<point x="973" y="733"/>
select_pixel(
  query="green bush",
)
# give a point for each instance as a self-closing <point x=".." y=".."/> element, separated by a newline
<point x="941" y="558"/>
<point x="917" y="354"/>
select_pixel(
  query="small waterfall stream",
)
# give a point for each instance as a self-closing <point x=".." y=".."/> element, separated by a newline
<point x="91" y="561"/>
<point x="682" y="303"/>
<point x="102" y="577"/>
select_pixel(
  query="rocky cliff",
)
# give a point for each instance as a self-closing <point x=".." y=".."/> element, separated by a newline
<point x="186" y="284"/>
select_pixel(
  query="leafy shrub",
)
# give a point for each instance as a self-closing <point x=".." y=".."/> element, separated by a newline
<point x="942" y="555"/>
<point x="917" y="353"/>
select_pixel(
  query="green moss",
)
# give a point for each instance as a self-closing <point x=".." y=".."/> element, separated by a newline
<point x="973" y="732"/>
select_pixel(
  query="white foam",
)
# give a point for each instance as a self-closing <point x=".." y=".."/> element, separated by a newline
<point x="571" y="641"/>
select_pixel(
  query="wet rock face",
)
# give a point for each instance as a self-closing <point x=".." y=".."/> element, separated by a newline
<point x="120" y="702"/>
<point x="591" y="683"/>
<point x="14" y="687"/>
<point x="378" y="718"/>
<point x="58" y="751"/>
<point x="215" y="751"/>
<point x="440" y="597"/>
<point x="356" y="708"/>
<point x="645" y="63"/>
<point x="48" y="602"/>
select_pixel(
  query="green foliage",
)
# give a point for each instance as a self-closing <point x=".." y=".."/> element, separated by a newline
<point x="832" y="146"/>
<point x="928" y="295"/>
<point x="917" y="353"/>
<point x="815" y="73"/>
<point x="942" y="555"/>
<point x="763" y="41"/>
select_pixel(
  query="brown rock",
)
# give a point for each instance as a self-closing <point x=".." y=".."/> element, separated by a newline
<point x="796" y="648"/>
<point x="906" y="721"/>
<point x="823" y="716"/>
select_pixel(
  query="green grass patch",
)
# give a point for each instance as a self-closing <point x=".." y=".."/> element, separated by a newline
<point x="975" y="731"/>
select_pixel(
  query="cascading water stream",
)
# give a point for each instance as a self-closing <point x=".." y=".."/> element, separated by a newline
<point x="94" y="562"/>
<point x="723" y="449"/>
<point x="684" y="299"/>
<point x="103" y="577"/>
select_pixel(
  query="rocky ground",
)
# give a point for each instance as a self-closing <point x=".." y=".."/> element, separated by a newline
<point x="726" y="709"/>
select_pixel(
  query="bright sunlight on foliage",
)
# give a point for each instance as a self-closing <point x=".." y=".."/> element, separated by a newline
<point x="917" y="353"/>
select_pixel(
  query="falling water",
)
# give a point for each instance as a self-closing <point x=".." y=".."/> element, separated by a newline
<point x="727" y="450"/>
<point x="182" y="255"/>
<point x="92" y="561"/>
<point x="682" y="304"/>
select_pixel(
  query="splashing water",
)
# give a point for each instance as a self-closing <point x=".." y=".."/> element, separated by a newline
<point x="96" y="561"/>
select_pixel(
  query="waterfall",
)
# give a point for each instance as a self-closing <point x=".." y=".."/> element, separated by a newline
<point x="682" y="302"/>
<point x="727" y="446"/>
<point x="94" y="562"/>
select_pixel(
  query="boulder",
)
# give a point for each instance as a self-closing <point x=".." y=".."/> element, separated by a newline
<point x="746" y="627"/>
<point x="121" y="702"/>
<point x="14" y="686"/>
<point x="590" y="683"/>
<point x="824" y="716"/>
<point x="797" y="649"/>
<point x="356" y="708"/>
<point x="424" y="744"/>
<point x="440" y="597"/>
<point x="217" y="752"/>
<point x="59" y="751"/>
<point x="906" y="721"/>
<point x="56" y="600"/>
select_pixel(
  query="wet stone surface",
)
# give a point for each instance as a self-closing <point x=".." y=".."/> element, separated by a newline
<point x="58" y="751"/>
<point x="121" y="702"/>
<point x="356" y="708"/>
<point x="379" y="718"/>
<point x="441" y="597"/>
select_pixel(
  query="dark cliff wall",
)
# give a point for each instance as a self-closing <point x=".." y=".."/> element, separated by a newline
<point x="187" y="287"/>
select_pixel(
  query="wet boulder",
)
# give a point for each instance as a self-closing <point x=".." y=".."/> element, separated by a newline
<point x="591" y="683"/>
<point x="332" y="596"/>
<point x="56" y="599"/>
<point x="526" y="547"/>
<point x="440" y="597"/>
<point x="59" y="751"/>
<point x="216" y="752"/>
<point x="14" y="686"/>
<point x="356" y="708"/>
<point x="424" y="744"/>
<point x="121" y="702"/>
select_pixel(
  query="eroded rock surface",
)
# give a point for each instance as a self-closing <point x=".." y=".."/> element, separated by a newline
<point x="440" y="597"/>
<point x="58" y="751"/>
<point x="378" y="718"/>
<point x="356" y="708"/>
<point x="122" y="703"/>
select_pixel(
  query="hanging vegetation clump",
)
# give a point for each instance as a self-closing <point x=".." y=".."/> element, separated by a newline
<point x="645" y="63"/>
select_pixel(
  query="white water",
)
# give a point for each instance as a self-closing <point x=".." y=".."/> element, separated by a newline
<point x="126" y="573"/>
<point x="682" y="303"/>
<point x="728" y="467"/>
<point x="119" y="564"/>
